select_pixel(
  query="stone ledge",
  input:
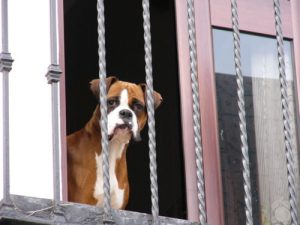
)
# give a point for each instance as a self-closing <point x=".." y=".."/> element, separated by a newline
<point x="42" y="211"/>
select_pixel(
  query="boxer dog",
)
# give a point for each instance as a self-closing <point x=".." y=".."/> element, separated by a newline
<point x="127" y="116"/>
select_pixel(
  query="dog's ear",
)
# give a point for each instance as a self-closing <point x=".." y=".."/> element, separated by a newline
<point x="156" y="96"/>
<point x="94" y="85"/>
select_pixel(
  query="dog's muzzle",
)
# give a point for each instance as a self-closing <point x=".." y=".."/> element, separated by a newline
<point x="126" y="116"/>
<point x="125" y="123"/>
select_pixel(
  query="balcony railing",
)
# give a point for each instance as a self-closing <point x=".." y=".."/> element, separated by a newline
<point x="55" y="211"/>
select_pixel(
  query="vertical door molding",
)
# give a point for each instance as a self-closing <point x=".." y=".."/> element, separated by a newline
<point x="208" y="111"/>
<point x="295" y="6"/>
<point x="186" y="110"/>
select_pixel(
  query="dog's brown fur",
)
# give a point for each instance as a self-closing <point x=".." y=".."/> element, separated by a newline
<point x="83" y="144"/>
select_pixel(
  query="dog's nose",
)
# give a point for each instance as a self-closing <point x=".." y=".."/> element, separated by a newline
<point x="125" y="114"/>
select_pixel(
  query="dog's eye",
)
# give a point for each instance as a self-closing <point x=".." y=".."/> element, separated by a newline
<point x="137" y="107"/>
<point x="112" y="102"/>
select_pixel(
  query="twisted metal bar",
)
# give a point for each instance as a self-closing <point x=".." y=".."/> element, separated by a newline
<point x="150" y="109"/>
<point x="5" y="67"/>
<point x="242" y="114"/>
<point x="196" y="112"/>
<point x="103" y="111"/>
<point x="289" y="148"/>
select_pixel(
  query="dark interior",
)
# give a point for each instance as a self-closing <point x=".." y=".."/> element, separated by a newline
<point x="125" y="59"/>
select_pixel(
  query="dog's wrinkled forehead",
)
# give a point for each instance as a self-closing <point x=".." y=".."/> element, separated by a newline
<point x="133" y="91"/>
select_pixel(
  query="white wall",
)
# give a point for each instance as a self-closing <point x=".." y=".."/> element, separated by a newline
<point x="30" y="99"/>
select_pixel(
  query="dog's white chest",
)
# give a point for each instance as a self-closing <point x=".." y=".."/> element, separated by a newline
<point x="117" y="194"/>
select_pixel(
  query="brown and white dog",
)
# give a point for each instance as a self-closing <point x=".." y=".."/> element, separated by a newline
<point x="126" y="118"/>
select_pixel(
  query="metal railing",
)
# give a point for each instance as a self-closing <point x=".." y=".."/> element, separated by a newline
<point x="18" y="206"/>
<point x="5" y="67"/>
<point x="53" y="77"/>
<point x="285" y="109"/>
<point x="112" y="216"/>
<point x="242" y="113"/>
<point x="287" y="131"/>
<point x="196" y="111"/>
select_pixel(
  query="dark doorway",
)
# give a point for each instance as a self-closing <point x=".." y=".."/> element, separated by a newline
<point x="125" y="59"/>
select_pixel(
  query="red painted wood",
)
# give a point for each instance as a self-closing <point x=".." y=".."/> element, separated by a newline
<point x="254" y="16"/>
<point x="296" y="41"/>
<point x="209" y="115"/>
<point x="213" y="188"/>
<point x="186" y="111"/>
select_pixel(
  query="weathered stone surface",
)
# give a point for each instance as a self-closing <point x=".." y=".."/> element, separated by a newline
<point x="42" y="211"/>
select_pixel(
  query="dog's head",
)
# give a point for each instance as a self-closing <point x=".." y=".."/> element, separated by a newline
<point x="126" y="107"/>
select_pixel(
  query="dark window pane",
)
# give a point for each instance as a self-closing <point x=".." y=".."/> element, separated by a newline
<point x="264" y="127"/>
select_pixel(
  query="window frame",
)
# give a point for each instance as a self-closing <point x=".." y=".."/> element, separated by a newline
<point x="295" y="14"/>
<point x="211" y="156"/>
<point x="210" y="14"/>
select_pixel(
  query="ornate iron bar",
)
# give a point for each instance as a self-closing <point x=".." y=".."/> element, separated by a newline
<point x="53" y="77"/>
<point x="242" y="113"/>
<point x="196" y="111"/>
<point x="289" y="148"/>
<point x="150" y="110"/>
<point x="103" y="111"/>
<point x="5" y="67"/>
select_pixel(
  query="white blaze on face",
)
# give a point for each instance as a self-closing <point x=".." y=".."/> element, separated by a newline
<point x="124" y="97"/>
<point x="114" y="116"/>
